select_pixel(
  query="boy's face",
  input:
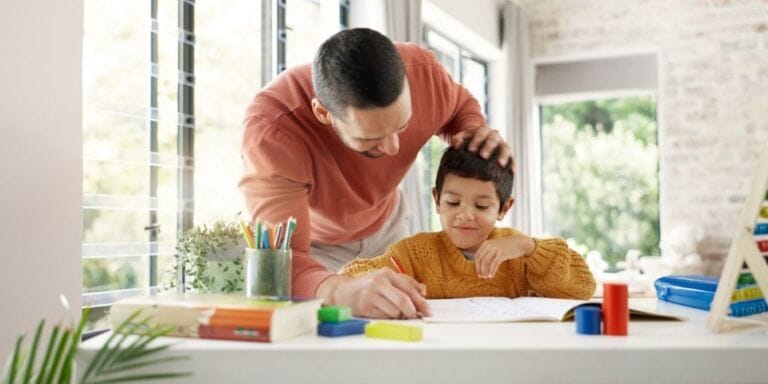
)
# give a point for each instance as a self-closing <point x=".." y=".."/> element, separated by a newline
<point x="468" y="209"/>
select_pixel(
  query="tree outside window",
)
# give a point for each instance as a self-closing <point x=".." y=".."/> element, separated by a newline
<point x="600" y="175"/>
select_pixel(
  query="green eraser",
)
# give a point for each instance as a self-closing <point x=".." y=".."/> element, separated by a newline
<point x="393" y="331"/>
<point x="334" y="314"/>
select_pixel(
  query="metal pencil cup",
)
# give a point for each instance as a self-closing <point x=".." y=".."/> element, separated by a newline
<point x="268" y="273"/>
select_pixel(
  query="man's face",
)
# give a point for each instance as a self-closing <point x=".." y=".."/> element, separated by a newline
<point x="374" y="132"/>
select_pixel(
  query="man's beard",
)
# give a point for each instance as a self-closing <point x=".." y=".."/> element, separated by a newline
<point x="370" y="154"/>
<point x="367" y="154"/>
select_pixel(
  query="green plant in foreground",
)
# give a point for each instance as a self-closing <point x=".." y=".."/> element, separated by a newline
<point x="114" y="362"/>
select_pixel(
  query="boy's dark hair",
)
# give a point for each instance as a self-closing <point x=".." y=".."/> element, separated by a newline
<point x="357" y="67"/>
<point x="463" y="163"/>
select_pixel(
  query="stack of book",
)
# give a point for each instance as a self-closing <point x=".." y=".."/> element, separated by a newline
<point x="698" y="291"/>
<point x="219" y="316"/>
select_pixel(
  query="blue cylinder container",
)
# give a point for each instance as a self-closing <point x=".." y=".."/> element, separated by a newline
<point x="588" y="320"/>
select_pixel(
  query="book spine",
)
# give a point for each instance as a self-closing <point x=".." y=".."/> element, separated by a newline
<point x="219" y="321"/>
<point x="233" y="333"/>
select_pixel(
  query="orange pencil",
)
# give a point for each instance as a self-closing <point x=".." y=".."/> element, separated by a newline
<point x="272" y="237"/>
<point x="397" y="265"/>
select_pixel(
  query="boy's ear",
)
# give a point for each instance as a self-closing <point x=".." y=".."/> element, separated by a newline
<point x="505" y="207"/>
<point x="436" y="196"/>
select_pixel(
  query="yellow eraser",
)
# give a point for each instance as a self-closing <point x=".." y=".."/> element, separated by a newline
<point x="393" y="331"/>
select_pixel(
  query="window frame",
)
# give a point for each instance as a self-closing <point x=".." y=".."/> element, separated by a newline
<point x="428" y="172"/>
<point x="273" y="28"/>
<point x="185" y="83"/>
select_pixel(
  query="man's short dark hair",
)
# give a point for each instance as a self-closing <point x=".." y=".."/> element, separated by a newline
<point x="359" y="68"/>
<point x="463" y="163"/>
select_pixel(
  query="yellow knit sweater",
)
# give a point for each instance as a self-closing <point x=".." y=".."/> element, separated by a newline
<point x="552" y="270"/>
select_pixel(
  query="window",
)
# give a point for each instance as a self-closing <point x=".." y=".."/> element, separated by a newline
<point x="600" y="174"/>
<point x="470" y="72"/>
<point x="599" y="152"/>
<point x="165" y="87"/>
<point x="227" y="76"/>
<point x="308" y="23"/>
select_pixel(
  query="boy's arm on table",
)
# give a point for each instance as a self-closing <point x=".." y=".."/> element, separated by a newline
<point x="361" y="266"/>
<point x="555" y="270"/>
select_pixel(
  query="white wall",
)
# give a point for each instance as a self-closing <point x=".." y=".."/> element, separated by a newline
<point x="40" y="158"/>
<point x="712" y="99"/>
<point x="480" y="16"/>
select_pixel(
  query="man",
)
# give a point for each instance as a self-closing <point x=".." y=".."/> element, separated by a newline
<point x="330" y="144"/>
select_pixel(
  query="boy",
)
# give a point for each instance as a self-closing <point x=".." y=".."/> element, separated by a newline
<point x="471" y="257"/>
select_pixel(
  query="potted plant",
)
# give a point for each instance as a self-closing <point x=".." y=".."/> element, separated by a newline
<point x="208" y="260"/>
<point x="118" y="360"/>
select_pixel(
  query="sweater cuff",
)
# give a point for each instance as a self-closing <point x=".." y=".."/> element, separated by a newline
<point x="307" y="285"/>
<point x="544" y="254"/>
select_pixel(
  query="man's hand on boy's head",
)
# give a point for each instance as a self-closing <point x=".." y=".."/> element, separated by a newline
<point x="382" y="294"/>
<point x="490" y="140"/>
<point x="493" y="252"/>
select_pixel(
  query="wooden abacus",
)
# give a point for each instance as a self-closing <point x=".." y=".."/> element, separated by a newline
<point x="746" y="248"/>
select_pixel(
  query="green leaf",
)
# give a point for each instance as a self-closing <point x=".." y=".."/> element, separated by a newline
<point x="102" y="353"/>
<point x="11" y="378"/>
<point x="52" y="377"/>
<point x="33" y="353"/>
<point x="109" y="352"/>
<point x="138" y="346"/>
<point x="130" y="353"/>
<point x="66" y="370"/>
<point x="48" y="350"/>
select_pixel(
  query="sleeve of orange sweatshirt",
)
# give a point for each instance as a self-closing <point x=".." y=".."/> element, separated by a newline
<point x="555" y="270"/>
<point x="276" y="183"/>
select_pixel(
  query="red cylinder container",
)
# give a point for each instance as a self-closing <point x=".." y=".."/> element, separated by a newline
<point x="615" y="309"/>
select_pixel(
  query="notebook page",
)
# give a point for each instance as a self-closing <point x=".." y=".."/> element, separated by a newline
<point x="499" y="309"/>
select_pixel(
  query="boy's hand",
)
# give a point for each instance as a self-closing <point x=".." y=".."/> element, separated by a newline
<point x="383" y="293"/>
<point x="493" y="252"/>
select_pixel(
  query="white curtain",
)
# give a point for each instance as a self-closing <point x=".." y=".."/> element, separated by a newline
<point x="403" y="20"/>
<point x="525" y="144"/>
<point x="403" y="23"/>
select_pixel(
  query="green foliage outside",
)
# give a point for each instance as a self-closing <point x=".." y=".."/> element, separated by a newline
<point x="600" y="175"/>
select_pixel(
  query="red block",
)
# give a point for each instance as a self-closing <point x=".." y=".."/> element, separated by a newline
<point x="615" y="309"/>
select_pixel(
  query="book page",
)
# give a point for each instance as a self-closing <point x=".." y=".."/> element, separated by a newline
<point x="500" y="309"/>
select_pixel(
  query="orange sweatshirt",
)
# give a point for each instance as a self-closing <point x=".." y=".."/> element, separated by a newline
<point x="296" y="166"/>
<point x="552" y="270"/>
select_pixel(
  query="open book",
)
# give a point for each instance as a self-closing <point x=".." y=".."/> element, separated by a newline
<point x="505" y="309"/>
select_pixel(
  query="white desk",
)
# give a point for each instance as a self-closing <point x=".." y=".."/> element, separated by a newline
<point x="654" y="352"/>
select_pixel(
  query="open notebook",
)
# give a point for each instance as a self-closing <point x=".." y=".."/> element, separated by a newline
<point x="505" y="309"/>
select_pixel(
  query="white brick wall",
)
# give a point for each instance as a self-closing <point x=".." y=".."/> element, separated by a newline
<point x="713" y="106"/>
